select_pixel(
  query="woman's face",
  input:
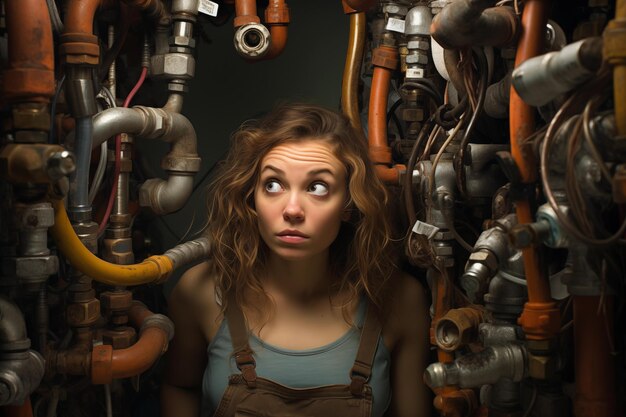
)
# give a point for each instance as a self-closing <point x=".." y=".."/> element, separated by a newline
<point x="300" y="199"/>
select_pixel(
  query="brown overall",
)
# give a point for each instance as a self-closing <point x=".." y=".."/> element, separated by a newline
<point x="248" y="395"/>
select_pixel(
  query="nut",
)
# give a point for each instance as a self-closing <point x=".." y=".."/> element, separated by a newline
<point x="421" y="45"/>
<point x="413" y="115"/>
<point x="116" y="301"/>
<point x="397" y="9"/>
<point x="417" y="58"/>
<point x="542" y="367"/>
<point x="486" y="258"/>
<point x="173" y="65"/>
<point x="186" y="41"/>
<point x="120" y="338"/>
<point x="30" y="266"/>
<point x="34" y="216"/>
<point x="84" y="313"/>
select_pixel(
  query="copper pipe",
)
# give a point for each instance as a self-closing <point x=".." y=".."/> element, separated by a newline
<point x="379" y="150"/>
<point x="540" y="318"/>
<point x="361" y="5"/>
<point x="352" y="69"/>
<point x="108" y="364"/>
<point x="615" y="54"/>
<point x="276" y="19"/>
<point x="24" y="410"/>
<point x="245" y="12"/>
<point x="30" y="73"/>
<point x="80" y="14"/>
<point x="594" y="364"/>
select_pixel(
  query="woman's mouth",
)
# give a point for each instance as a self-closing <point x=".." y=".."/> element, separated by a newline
<point x="292" y="236"/>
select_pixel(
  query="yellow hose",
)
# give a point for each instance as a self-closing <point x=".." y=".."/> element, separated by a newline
<point x="615" y="54"/>
<point x="154" y="269"/>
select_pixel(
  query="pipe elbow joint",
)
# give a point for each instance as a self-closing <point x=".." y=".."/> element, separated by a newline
<point x="252" y="40"/>
<point x="165" y="197"/>
<point x="20" y="376"/>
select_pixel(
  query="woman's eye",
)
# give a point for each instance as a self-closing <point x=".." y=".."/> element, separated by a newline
<point x="318" y="188"/>
<point x="273" y="186"/>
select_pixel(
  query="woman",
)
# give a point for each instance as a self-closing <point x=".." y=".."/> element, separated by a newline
<point x="286" y="318"/>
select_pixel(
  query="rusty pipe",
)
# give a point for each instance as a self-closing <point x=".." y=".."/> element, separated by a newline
<point x="29" y="76"/>
<point x="595" y="367"/>
<point x="540" y="318"/>
<point x="79" y="16"/>
<point x="154" y="9"/>
<point x="276" y="19"/>
<point x="352" y="69"/>
<point x="466" y="23"/>
<point x="245" y="12"/>
<point x="156" y="330"/>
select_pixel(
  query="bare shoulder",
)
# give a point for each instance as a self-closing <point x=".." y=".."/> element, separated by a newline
<point x="407" y="308"/>
<point x="193" y="298"/>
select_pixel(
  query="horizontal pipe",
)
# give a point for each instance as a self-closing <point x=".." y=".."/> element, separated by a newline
<point x="465" y="23"/>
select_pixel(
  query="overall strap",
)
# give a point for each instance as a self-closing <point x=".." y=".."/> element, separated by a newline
<point x="362" y="368"/>
<point x="239" y="336"/>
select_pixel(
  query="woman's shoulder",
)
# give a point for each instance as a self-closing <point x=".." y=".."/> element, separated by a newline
<point x="194" y="296"/>
<point x="407" y="307"/>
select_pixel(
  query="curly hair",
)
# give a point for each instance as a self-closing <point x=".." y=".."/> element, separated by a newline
<point x="359" y="256"/>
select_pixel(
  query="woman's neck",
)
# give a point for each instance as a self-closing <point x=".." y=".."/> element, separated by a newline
<point x="298" y="280"/>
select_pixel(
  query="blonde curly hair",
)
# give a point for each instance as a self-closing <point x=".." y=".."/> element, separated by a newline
<point x="359" y="256"/>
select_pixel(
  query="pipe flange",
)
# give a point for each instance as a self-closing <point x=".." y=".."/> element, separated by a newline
<point x="181" y="164"/>
<point x="159" y="321"/>
<point x="252" y="40"/>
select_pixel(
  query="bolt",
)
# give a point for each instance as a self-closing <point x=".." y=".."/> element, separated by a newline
<point x="60" y="164"/>
<point x="5" y="393"/>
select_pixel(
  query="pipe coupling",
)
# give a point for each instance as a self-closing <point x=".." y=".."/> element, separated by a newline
<point x="161" y="322"/>
<point x="19" y="377"/>
<point x="485" y="367"/>
<point x="458" y="327"/>
<point x="252" y="40"/>
<point x="189" y="252"/>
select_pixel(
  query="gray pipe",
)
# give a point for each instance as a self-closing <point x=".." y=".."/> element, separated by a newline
<point x="79" y="182"/>
<point x="189" y="252"/>
<point x="181" y="162"/>
<point x="21" y="369"/>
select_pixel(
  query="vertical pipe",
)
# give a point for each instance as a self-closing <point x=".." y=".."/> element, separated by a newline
<point x="594" y="365"/>
<point x="30" y="73"/>
<point x="351" y="70"/>
<point x="618" y="53"/>
<point x="540" y="318"/>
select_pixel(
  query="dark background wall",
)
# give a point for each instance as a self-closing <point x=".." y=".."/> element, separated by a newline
<point x="227" y="90"/>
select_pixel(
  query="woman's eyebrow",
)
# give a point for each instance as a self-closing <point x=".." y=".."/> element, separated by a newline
<point x="273" y="168"/>
<point x="315" y="172"/>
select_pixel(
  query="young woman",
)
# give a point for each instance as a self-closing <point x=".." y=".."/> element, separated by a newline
<point x="300" y="311"/>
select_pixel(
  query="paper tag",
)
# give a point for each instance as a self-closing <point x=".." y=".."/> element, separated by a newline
<point x="425" y="229"/>
<point x="415" y="73"/>
<point x="395" y="25"/>
<point x="208" y="7"/>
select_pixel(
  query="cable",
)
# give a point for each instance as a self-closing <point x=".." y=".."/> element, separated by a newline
<point x="426" y="86"/>
<point x="118" y="151"/>
<point x="57" y="24"/>
<point x="53" y="107"/>
<point x="391" y="114"/>
<point x="582" y="94"/>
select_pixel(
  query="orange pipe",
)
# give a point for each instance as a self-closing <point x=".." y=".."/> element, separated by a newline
<point x="24" y="410"/>
<point x="108" y="364"/>
<point x="352" y="69"/>
<point x="540" y="318"/>
<point x="277" y="19"/>
<point x="594" y="364"/>
<point x="80" y="14"/>
<point x="30" y="73"/>
<point x="378" y="116"/>
<point x="245" y="12"/>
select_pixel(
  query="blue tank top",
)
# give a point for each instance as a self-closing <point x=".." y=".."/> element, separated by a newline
<point x="325" y="365"/>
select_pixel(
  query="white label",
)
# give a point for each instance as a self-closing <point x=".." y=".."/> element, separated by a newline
<point x="208" y="7"/>
<point x="395" y="25"/>
<point x="415" y="73"/>
<point x="425" y="229"/>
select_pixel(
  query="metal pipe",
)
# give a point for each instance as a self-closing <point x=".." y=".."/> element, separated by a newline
<point x="12" y="326"/>
<point x="277" y="19"/>
<point x="594" y="362"/>
<point x="615" y="54"/>
<point x="181" y="162"/>
<point x="156" y="332"/>
<point x="79" y="181"/>
<point x="29" y="76"/>
<point x="464" y="23"/>
<point x="540" y="319"/>
<point x="361" y="5"/>
<point x="351" y="69"/>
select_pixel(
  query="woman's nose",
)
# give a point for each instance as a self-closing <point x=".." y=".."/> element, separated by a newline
<point x="293" y="210"/>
